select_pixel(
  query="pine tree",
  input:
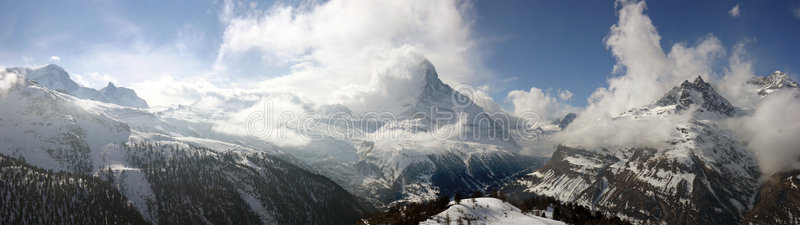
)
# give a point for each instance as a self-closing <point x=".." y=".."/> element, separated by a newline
<point x="476" y="194"/>
<point x="557" y="213"/>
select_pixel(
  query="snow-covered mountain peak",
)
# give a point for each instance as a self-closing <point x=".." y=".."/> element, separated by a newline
<point x="775" y="80"/>
<point x="434" y="91"/>
<point x="111" y="86"/>
<point x="443" y="97"/>
<point x="431" y="76"/>
<point x="123" y="96"/>
<point x="53" y="67"/>
<point x="53" y="77"/>
<point x="698" y="93"/>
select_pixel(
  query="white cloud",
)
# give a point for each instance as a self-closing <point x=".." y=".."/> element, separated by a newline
<point x="126" y="65"/>
<point x="189" y="39"/>
<point x="539" y="102"/>
<point x="479" y="95"/>
<point x="534" y="101"/>
<point x="54" y="58"/>
<point x="771" y="132"/>
<point x="734" y="11"/>
<point x="102" y="77"/>
<point x="598" y="132"/>
<point x="733" y="85"/>
<point x="133" y="57"/>
<point x="8" y="80"/>
<point x="564" y="95"/>
<point x="646" y="74"/>
<point x="352" y="52"/>
<point x="80" y="80"/>
<point x="168" y="90"/>
<point x="646" y="71"/>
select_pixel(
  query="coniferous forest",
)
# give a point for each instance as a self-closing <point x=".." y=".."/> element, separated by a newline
<point x="30" y="195"/>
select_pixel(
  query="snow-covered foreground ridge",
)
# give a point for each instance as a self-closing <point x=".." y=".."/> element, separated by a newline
<point x="489" y="211"/>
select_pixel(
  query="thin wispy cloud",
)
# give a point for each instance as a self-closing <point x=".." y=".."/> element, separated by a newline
<point x="796" y="12"/>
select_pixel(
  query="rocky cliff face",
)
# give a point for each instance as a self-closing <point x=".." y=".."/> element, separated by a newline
<point x="697" y="93"/>
<point x="778" y="200"/>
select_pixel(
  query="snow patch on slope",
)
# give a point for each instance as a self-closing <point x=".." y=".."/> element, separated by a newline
<point x="486" y="211"/>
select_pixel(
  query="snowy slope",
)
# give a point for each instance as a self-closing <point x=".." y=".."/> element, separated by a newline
<point x="122" y="96"/>
<point x="166" y="175"/>
<point x="57" y="131"/>
<point x="487" y="211"/>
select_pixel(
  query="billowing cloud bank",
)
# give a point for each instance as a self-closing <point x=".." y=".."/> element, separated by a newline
<point x="365" y="55"/>
<point x="8" y="80"/>
<point x="772" y="131"/>
<point x="358" y="53"/>
<point x="547" y="107"/>
<point x="361" y="54"/>
<point x="645" y="73"/>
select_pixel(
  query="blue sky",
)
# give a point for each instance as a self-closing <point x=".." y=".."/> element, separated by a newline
<point x="559" y="44"/>
<point x="549" y="45"/>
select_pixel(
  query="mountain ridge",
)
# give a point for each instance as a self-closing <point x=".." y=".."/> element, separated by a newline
<point x="701" y="175"/>
<point x="57" y="78"/>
